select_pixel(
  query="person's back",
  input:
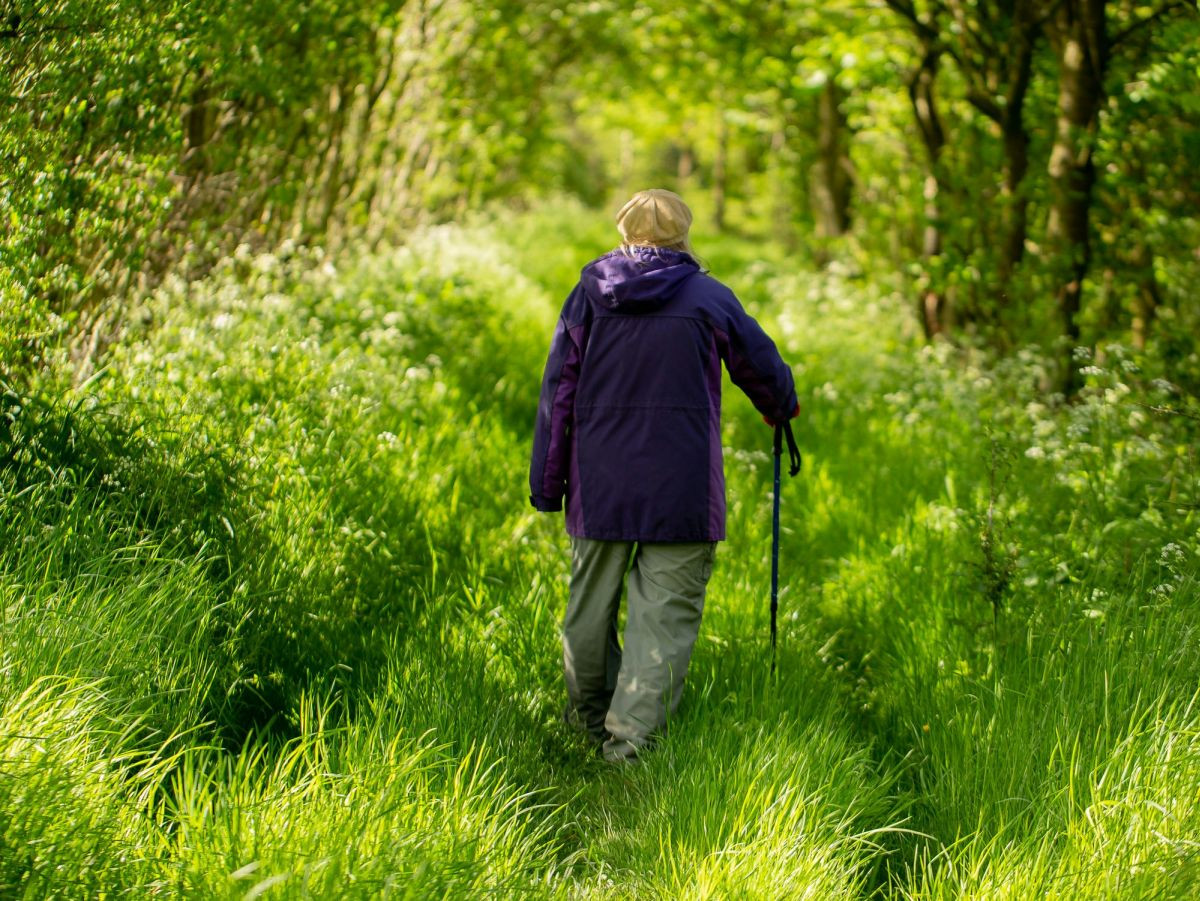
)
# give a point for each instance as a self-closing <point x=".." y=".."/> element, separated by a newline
<point x="629" y="432"/>
<point x="650" y="332"/>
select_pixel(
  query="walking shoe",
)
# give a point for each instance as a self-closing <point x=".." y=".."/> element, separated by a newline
<point x="620" y="752"/>
<point x="574" y="721"/>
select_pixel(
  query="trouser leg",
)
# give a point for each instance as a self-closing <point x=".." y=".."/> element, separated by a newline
<point x="666" y="600"/>
<point x="591" y="651"/>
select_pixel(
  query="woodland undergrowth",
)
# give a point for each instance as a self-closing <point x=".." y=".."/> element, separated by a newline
<point x="278" y="620"/>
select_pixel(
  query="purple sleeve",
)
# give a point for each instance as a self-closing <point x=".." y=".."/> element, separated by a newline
<point x="755" y="366"/>
<point x="551" y="438"/>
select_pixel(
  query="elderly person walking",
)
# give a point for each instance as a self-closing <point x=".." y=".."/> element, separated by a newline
<point x="628" y="432"/>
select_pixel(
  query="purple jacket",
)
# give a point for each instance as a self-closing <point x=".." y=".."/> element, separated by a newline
<point x="629" y="421"/>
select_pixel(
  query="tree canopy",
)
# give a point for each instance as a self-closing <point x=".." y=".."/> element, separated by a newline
<point x="1027" y="168"/>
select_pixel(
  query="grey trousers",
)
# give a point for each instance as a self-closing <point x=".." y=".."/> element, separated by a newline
<point x="629" y="694"/>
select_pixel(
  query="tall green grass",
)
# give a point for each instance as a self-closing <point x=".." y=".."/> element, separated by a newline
<point x="278" y="621"/>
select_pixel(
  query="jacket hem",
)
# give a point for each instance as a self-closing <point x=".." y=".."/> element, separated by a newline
<point x="594" y="535"/>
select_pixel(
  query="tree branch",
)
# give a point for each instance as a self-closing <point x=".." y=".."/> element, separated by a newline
<point x="1049" y="13"/>
<point x="982" y="37"/>
<point x="1169" y="411"/>
<point x="906" y="10"/>
<point x="930" y="37"/>
<point x="985" y="105"/>
<point x="1020" y="68"/>
<point x="1134" y="27"/>
<point x="14" y="30"/>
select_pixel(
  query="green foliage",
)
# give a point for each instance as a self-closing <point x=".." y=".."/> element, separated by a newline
<point x="141" y="141"/>
<point x="275" y="619"/>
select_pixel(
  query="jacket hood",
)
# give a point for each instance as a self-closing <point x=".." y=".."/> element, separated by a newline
<point x="637" y="282"/>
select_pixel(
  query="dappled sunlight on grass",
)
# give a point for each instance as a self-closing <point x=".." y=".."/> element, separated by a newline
<point x="275" y="608"/>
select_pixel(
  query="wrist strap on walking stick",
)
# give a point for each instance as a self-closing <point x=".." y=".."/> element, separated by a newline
<point x="794" y="460"/>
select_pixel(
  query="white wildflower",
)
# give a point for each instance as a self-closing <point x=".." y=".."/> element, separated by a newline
<point x="1171" y="554"/>
<point x="940" y="518"/>
<point x="266" y="262"/>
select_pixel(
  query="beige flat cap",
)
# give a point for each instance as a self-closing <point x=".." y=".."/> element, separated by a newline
<point x="656" y="217"/>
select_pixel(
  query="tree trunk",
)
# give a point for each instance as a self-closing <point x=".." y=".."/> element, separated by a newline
<point x="1016" y="201"/>
<point x="1148" y="297"/>
<point x="1079" y="34"/>
<point x="340" y="101"/>
<point x="1016" y="156"/>
<point x="922" y="93"/>
<point x="626" y="162"/>
<point x="832" y="184"/>
<point x="720" y="167"/>
<point x="783" y="203"/>
<point x="197" y="124"/>
<point x="685" y="166"/>
<point x="359" y="140"/>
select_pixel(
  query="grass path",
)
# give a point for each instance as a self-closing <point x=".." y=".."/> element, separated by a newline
<point x="276" y="610"/>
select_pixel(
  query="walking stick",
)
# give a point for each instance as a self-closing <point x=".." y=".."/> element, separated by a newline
<point x="793" y="468"/>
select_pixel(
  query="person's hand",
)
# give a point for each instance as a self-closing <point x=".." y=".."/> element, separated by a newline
<point x="771" y="422"/>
